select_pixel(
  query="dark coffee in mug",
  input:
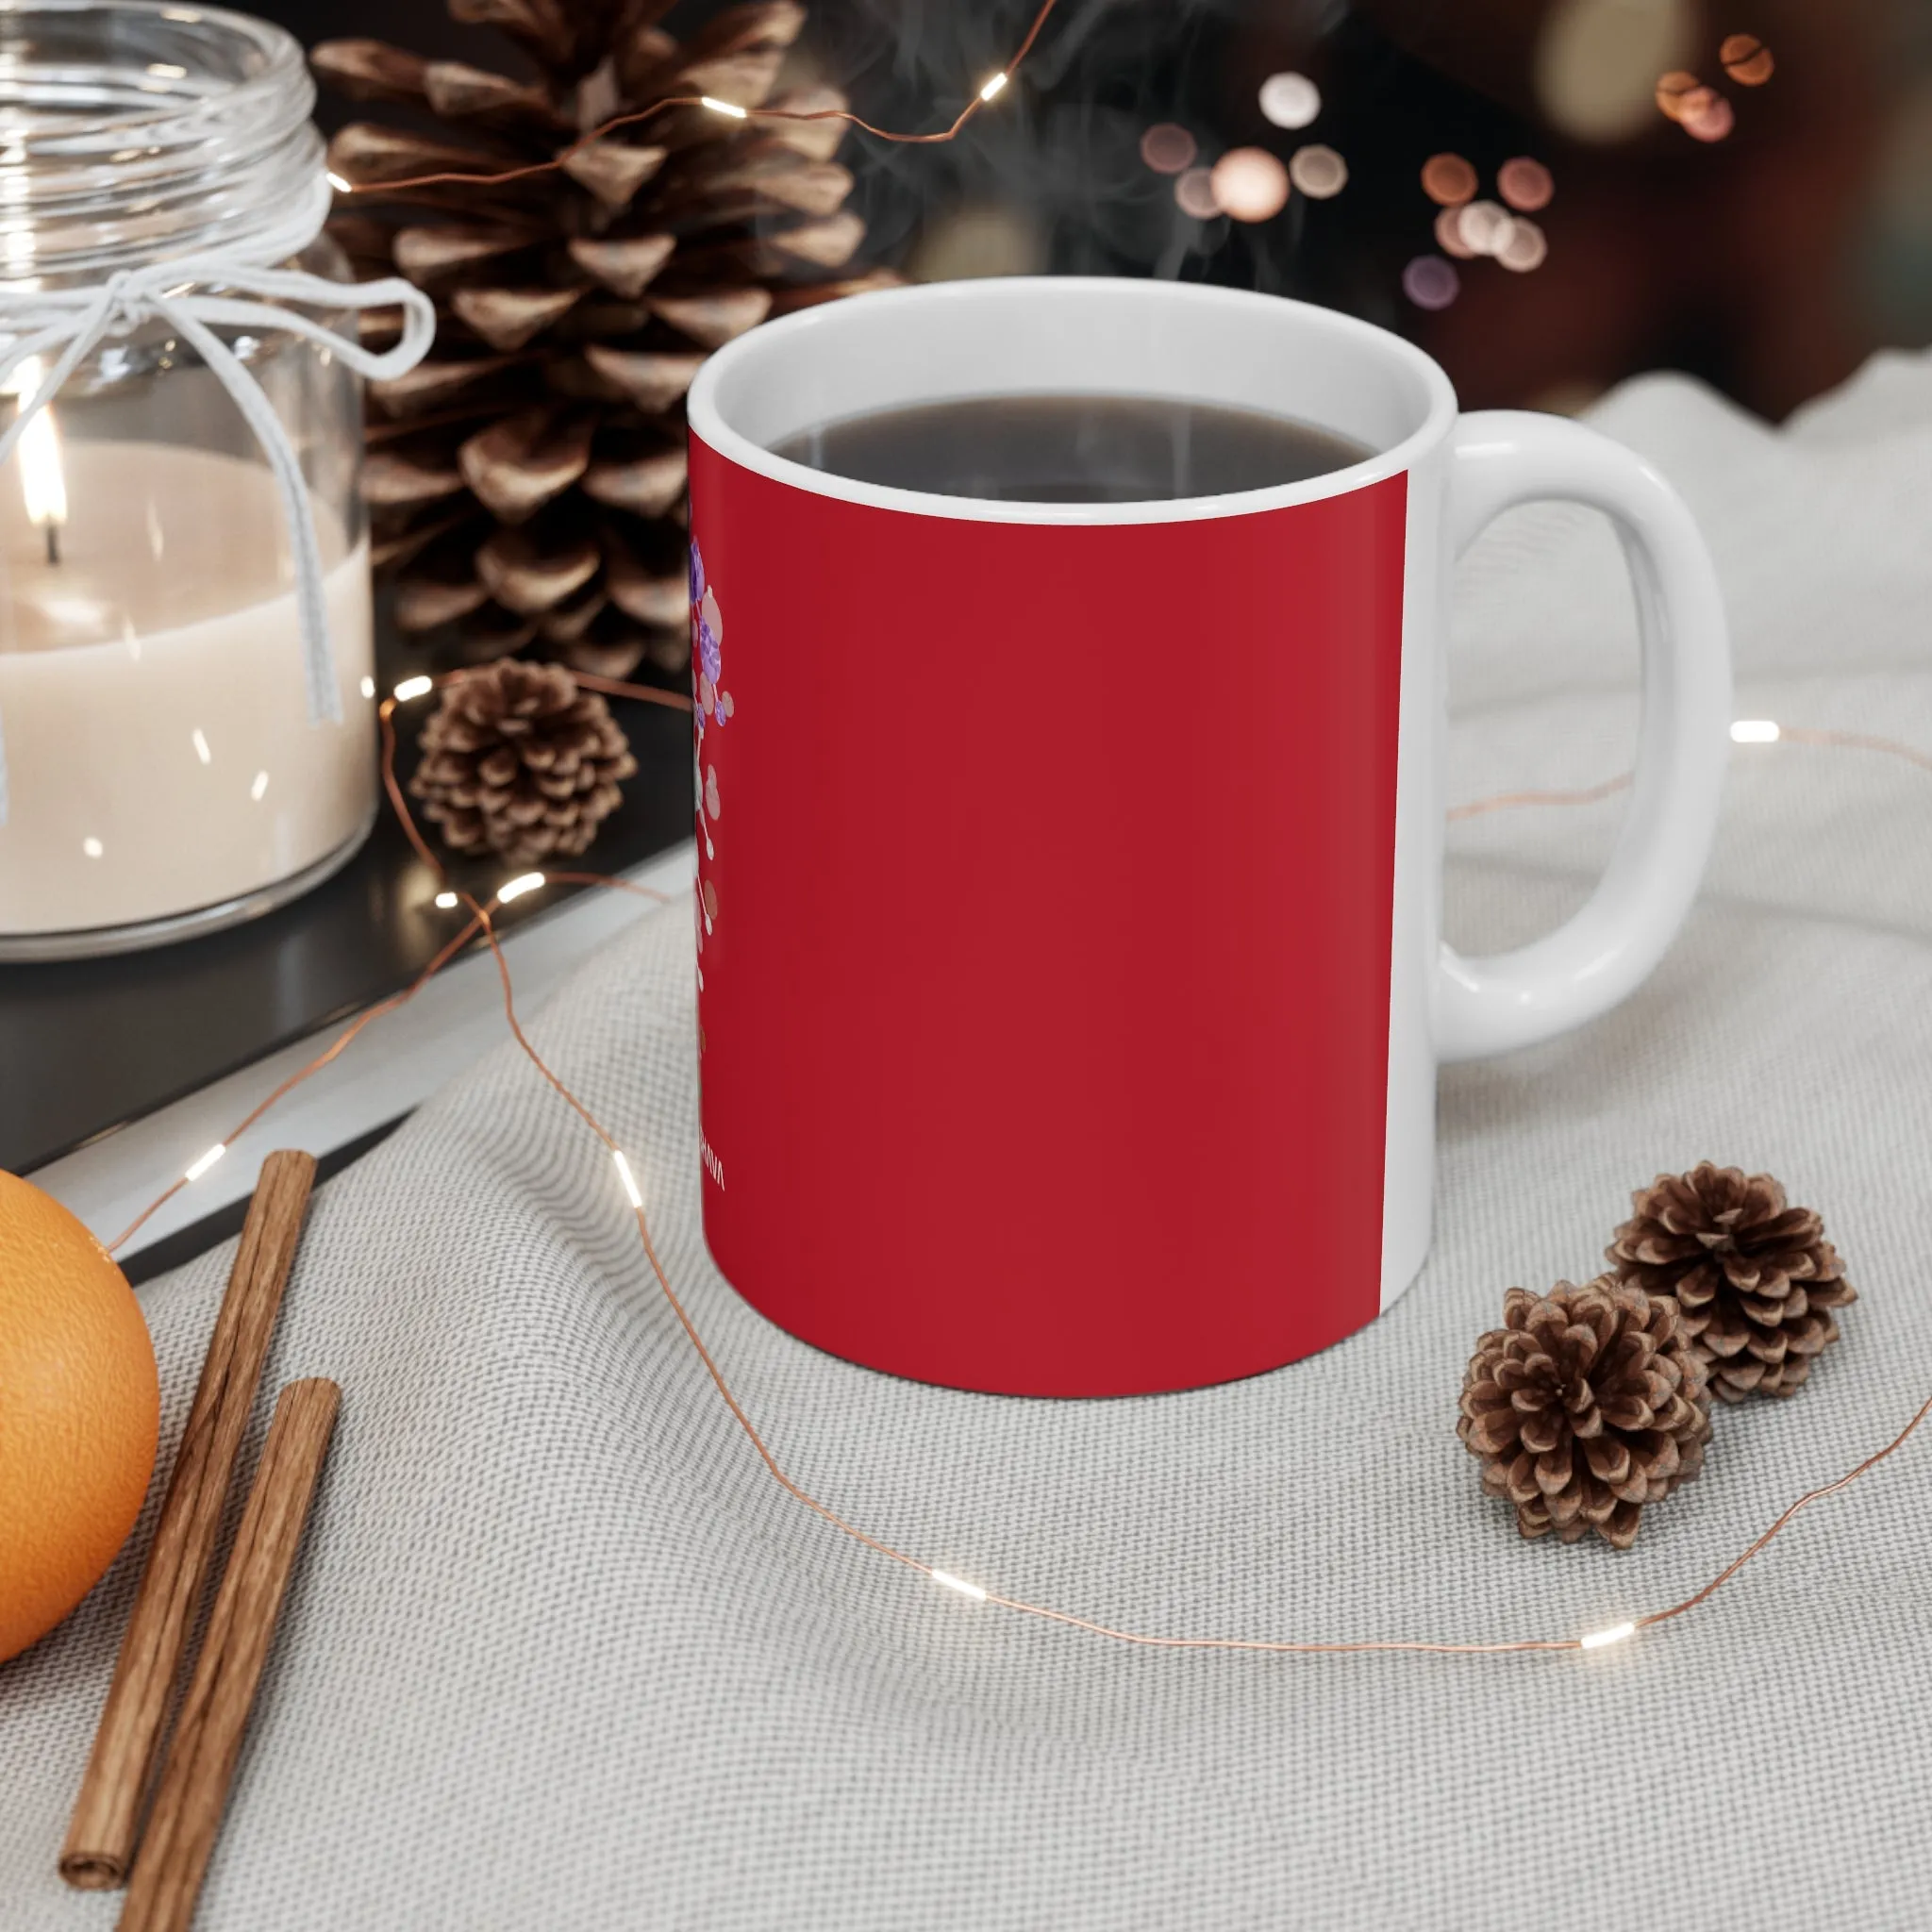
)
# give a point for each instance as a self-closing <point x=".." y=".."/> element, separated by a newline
<point x="1072" y="448"/>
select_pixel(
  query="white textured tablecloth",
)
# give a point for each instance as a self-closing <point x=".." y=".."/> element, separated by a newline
<point x="560" y="1654"/>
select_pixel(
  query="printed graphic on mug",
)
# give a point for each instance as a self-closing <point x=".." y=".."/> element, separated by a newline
<point x="711" y="708"/>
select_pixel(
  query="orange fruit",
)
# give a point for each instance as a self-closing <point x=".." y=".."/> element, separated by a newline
<point x="80" y="1408"/>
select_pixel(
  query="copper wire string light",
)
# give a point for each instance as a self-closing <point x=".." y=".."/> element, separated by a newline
<point x="481" y="923"/>
<point x="989" y="91"/>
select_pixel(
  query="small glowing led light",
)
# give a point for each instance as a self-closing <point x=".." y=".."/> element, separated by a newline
<point x="340" y="186"/>
<point x="259" y="787"/>
<point x="629" y="1179"/>
<point x="1755" y="731"/>
<point x="994" y="84"/>
<point x="92" y="848"/>
<point x="413" y="688"/>
<point x="200" y="1167"/>
<point x="1250" y="184"/>
<point x="201" y="750"/>
<point x="444" y="901"/>
<point x="1615" y="1634"/>
<point x="369" y="687"/>
<point x="718" y="107"/>
<point x="958" y="1583"/>
<point x="164" y="70"/>
<point x="516" y="888"/>
<point x="1290" y="100"/>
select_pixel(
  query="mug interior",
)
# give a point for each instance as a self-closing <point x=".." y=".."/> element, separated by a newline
<point x="1065" y="335"/>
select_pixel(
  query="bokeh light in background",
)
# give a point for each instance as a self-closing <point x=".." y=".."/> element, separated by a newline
<point x="1526" y="185"/>
<point x="1768" y="262"/>
<point x="1747" y="60"/>
<point x="1290" y="100"/>
<point x="1448" y="179"/>
<point x="1449" y="235"/>
<point x="1674" y="89"/>
<point x="1168" y="148"/>
<point x="1485" y="227"/>
<point x="1596" y="61"/>
<point x="1195" y="191"/>
<point x="1706" y="116"/>
<point x="1318" y="172"/>
<point x="1249" y="184"/>
<point x="1524" y="247"/>
<point x="1430" y="282"/>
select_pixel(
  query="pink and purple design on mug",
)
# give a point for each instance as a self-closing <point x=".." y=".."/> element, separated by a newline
<point x="1072" y="990"/>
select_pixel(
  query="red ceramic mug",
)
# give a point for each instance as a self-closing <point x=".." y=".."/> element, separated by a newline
<point x="1070" y="992"/>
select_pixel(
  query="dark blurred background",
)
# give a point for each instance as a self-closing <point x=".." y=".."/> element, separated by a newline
<point x="1768" y="257"/>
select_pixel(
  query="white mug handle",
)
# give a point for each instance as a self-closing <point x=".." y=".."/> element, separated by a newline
<point x="1503" y="457"/>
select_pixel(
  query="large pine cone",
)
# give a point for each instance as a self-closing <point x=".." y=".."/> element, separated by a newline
<point x="1586" y="1404"/>
<point x="517" y="761"/>
<point x="526" y="482"/>
<point x="1756" y="1279"/>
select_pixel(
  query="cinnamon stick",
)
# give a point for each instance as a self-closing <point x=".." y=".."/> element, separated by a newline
<point x="107" y="1815"/>
<point x="193" y="1790"/>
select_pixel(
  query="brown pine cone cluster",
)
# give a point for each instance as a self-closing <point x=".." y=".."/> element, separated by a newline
<point x="526" y="481"/>
<point x="1587" y="1405"/>
<point x="1756" y="1279"/>
<point x="517" y="761"/>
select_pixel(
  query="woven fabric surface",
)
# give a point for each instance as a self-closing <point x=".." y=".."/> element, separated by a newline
<point x="560" y="1654"/>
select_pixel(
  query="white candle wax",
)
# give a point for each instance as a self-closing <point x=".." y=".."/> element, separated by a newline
<point x="151" y="697"/>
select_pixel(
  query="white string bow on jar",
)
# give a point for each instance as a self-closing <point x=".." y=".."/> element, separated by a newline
<point x="69" y="324"/>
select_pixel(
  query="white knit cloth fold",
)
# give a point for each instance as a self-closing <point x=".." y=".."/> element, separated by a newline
<point x="560" y="1654"/>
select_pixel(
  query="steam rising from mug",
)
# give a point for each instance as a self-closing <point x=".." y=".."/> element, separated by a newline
<point x="1055" y="179"/>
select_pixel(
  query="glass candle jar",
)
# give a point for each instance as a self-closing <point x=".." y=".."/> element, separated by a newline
<point x="169" y="768"/>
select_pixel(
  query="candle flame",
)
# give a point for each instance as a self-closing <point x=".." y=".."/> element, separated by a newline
<point x="43" y="476"/>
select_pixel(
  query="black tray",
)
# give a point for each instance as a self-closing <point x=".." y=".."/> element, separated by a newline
<point x="87" y="1045"/>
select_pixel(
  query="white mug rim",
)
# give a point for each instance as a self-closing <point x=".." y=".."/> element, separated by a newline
<point x="812" y="326"/>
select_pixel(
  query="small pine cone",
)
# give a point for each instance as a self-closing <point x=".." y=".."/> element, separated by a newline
<point x="1586" y="1404"/>
<point x="517" y="761"/>
<point x="1756" y="1279"/>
